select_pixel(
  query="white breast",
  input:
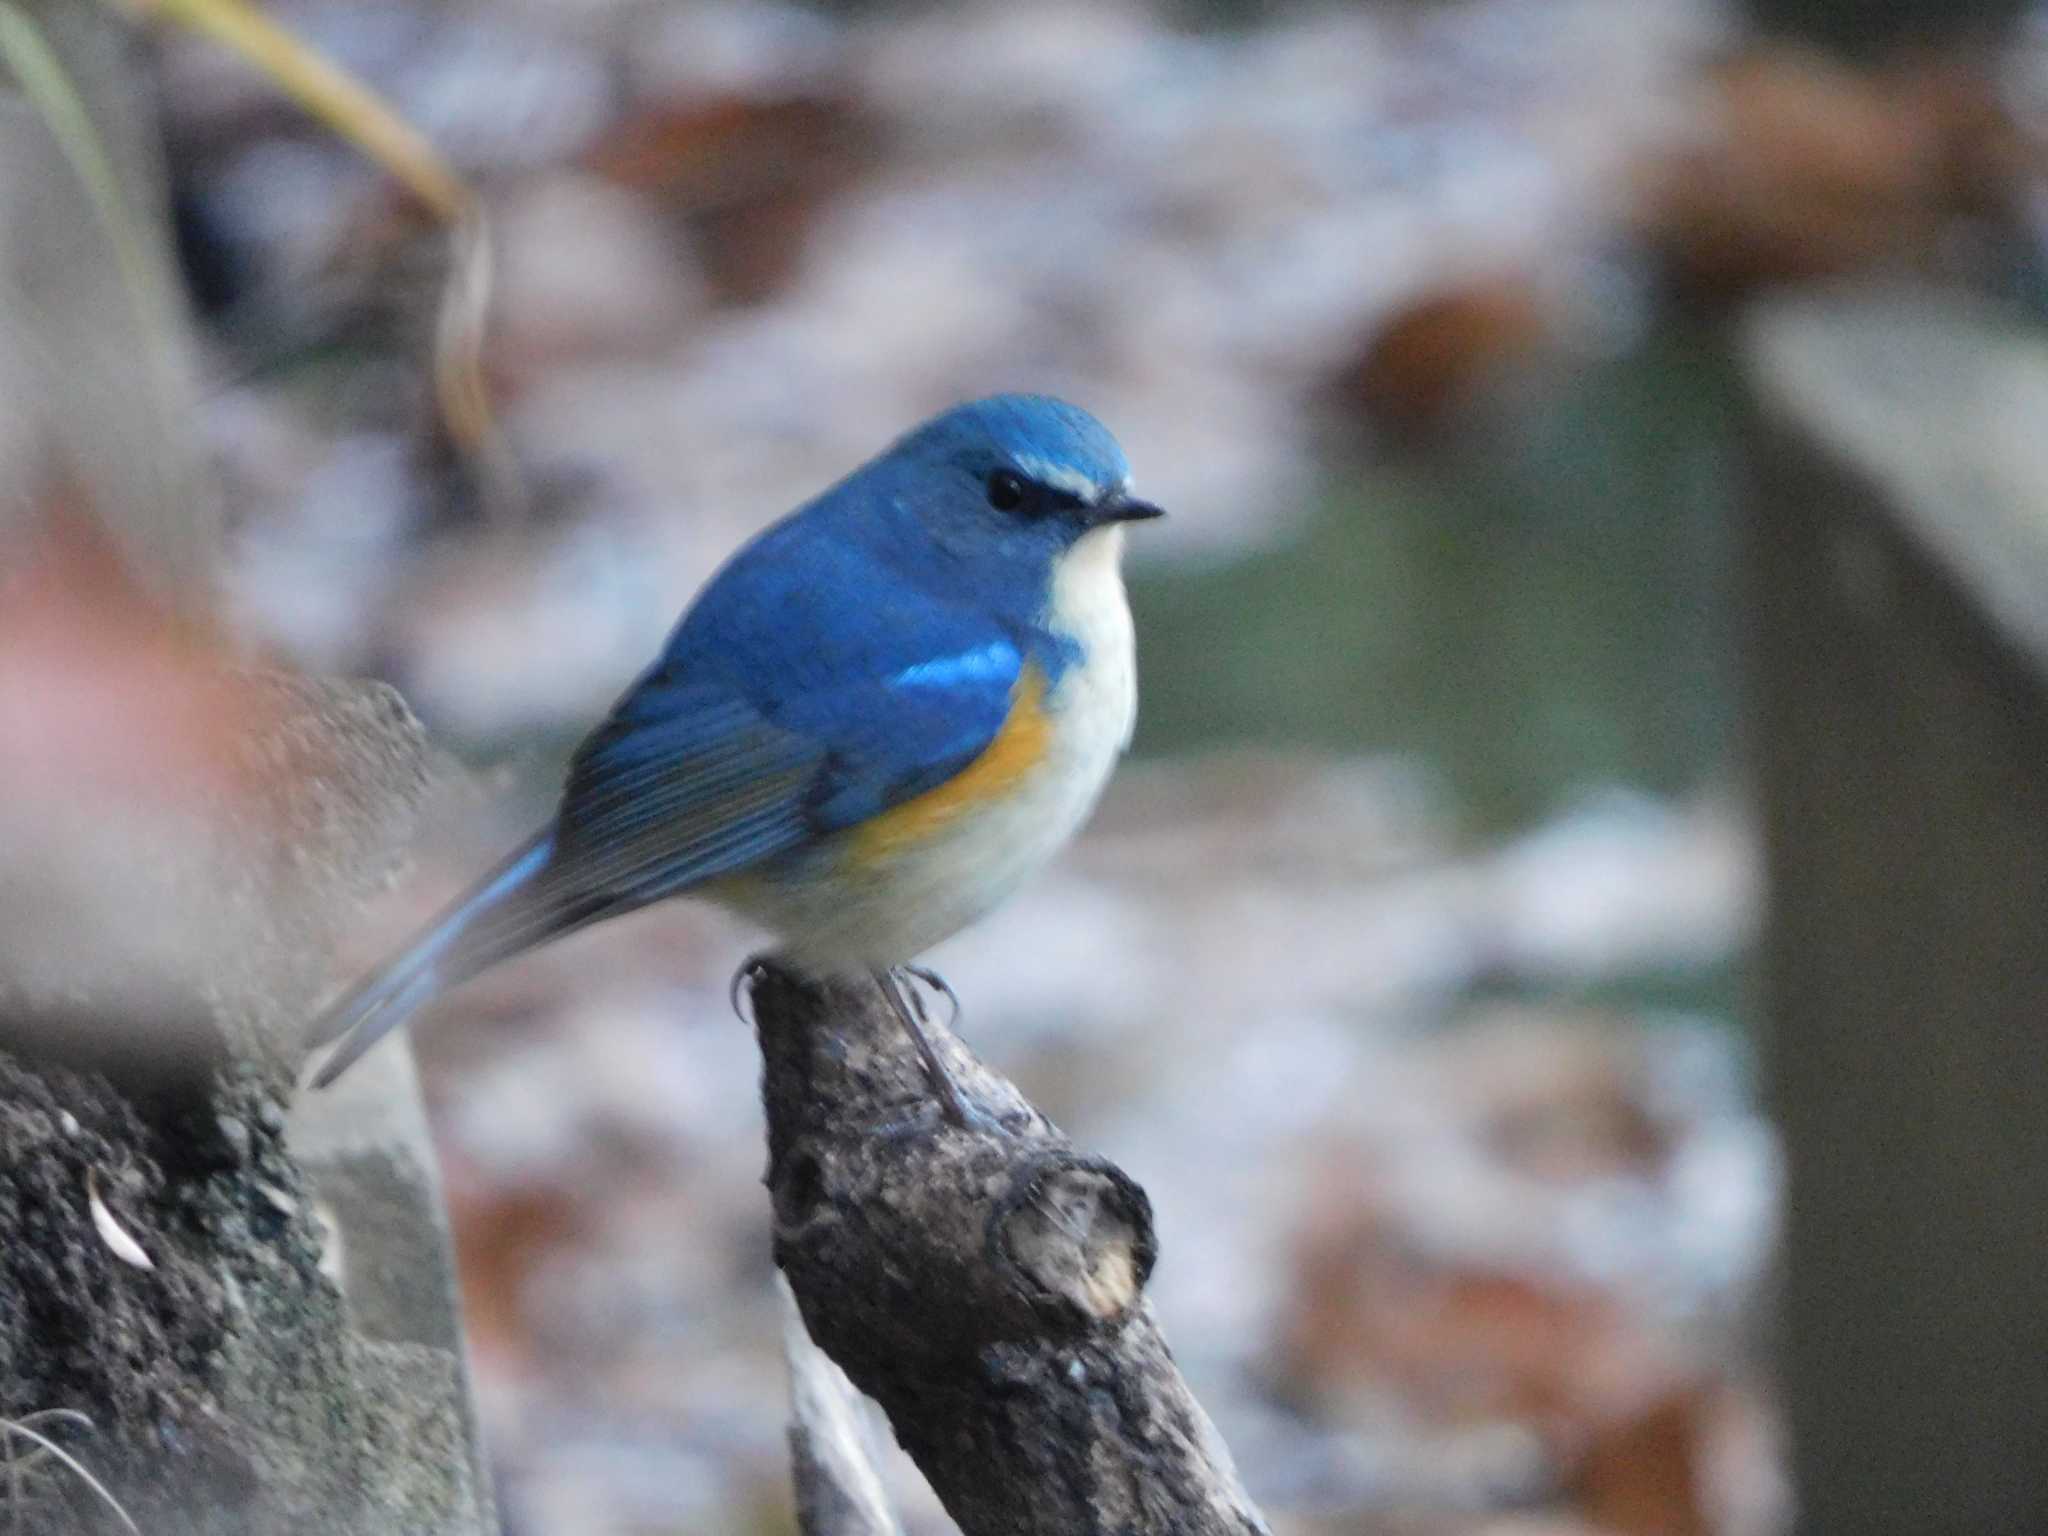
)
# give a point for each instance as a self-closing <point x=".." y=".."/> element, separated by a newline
<point x="1098" y="700"/>
<point x="835" y="917"/>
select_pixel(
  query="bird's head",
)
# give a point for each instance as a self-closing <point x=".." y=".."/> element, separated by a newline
<point x="1010" y="485"/>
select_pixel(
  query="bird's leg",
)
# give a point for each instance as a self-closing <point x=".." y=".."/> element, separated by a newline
<point x="957" y="1109"/>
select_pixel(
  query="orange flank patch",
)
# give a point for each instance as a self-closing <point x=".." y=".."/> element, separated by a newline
<point x="1019" y="747"/>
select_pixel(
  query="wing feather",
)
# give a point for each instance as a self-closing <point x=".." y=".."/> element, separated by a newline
<point x="691" y="778"/>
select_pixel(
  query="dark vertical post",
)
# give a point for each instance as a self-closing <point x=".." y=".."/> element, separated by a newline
<point x="1871" y="27"/>
<point x="1898" y="565"/>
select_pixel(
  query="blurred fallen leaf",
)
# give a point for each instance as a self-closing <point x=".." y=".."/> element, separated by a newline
<point x="112" y="1233"/>
<point x="1436" y="352"/>
<point x="503" y="1236"/>
<point x="1462" y="1281"/>
<point x="1641" y="1475"/>
<point x="749" y="175"/>
<point x="1813" y="168"/>
<point x="1559" y="1095"/>
<point x="1461" y="1344"/>
<point x="1372" y="1311"/>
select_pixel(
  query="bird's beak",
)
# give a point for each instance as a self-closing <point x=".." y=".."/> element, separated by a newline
<point x="1128" y="509"/>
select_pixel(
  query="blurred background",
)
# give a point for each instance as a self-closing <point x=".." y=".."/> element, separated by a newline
<point x="1406" y="961"/>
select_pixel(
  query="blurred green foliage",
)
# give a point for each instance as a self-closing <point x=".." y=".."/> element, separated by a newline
<point x="1545" y="612"/>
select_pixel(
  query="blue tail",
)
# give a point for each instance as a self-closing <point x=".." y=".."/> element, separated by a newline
<point x="509" y="911"/>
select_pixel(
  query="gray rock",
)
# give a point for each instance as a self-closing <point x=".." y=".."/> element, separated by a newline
<point x="229" y="1386"/>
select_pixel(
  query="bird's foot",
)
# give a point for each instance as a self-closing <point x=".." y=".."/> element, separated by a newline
<point x="955" y="1104"/>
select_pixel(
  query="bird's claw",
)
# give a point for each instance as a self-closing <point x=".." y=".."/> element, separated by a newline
<point x="741" y="992"/>
<point x="938" y="984"/>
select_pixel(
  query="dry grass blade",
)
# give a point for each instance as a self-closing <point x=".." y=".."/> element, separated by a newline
<point x="356" y="113"/>
<point x="329" y="93"/>
<point x="459" y="386"/>
<point x="11" y="1429"/>
<point x="49" y="88"/>
<point x="93" y="318"/>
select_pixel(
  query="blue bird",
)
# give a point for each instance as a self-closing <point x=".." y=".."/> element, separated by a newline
<point x="878" y="719"/>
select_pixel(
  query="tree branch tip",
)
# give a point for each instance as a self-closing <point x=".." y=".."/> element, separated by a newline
<point x="1079" y="1231"/>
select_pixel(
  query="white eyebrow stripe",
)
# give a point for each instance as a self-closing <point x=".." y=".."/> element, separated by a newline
<point x="1060" y="477"/>
<point x="996" y="661"/>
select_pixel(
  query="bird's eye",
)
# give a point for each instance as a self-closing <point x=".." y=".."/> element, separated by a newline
<point x="1005" y="491"/>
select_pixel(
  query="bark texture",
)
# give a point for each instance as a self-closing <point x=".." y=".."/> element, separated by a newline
<point x="984" y="1285"/>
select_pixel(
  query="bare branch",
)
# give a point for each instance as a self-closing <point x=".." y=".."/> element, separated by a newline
<point x="985" y="1286"/>
<point x="839" y="1489"/>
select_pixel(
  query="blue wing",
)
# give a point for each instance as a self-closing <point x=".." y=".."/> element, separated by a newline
<point x="805" y="692"/>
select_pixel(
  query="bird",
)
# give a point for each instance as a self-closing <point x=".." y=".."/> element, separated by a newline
<point x="879" y="718"/>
